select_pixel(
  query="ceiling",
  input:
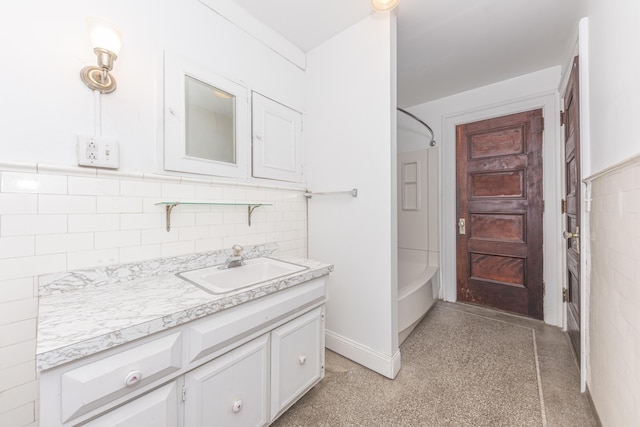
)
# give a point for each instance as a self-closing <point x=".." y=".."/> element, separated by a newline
<point x="444" y="46"/>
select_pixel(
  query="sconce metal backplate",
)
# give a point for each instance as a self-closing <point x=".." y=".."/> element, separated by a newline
<point x="98" y="79"/>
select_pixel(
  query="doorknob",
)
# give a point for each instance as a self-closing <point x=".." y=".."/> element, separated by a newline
<point x="569" y="235"/>
<point x="461" y="226"/>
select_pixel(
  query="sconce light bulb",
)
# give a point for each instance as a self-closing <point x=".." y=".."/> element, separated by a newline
<point x="384" y="5"/>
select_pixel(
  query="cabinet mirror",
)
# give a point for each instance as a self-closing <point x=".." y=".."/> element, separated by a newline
<point x="210" y="122"/>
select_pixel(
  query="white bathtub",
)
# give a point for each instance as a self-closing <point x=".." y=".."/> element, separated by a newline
<point x="418" y="287"/>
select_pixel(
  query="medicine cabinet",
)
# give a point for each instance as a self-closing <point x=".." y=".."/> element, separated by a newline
<point x="209" y="130"/>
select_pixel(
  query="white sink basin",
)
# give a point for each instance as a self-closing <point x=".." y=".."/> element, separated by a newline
<point x="254" y="271"/>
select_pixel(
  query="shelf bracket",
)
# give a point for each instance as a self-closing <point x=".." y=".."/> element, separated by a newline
<point x="168" y="209"/>
<point x="250" y="210"/>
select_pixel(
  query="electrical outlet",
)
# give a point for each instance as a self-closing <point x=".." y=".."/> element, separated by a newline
<point x="98" y="152"/>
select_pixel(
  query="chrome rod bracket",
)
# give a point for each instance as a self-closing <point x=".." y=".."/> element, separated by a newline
<point x="309" y="194"/>
<point x="432" y="142"/>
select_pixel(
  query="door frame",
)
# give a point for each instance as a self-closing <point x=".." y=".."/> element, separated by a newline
<point x="581" y="49"/>
<point x="549" y="102"/>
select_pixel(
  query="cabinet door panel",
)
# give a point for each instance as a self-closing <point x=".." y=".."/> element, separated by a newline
<point x="297" y="359"/>
<point x="155" y="409"/>
<point x="277" y="140"/>
<point x="230" y="390"/>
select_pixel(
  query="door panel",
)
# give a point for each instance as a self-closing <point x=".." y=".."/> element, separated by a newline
<point x="499" y="206"/>
<point x="572" y="188"/>
<point x="498" y="227"/>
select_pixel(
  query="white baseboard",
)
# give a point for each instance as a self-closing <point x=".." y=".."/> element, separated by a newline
<point x="378" y="362"/>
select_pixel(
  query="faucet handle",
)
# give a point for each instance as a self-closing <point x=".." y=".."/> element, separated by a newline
<point x="237" y="249"/>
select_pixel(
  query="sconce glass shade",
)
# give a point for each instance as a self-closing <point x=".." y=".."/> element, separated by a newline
<point x="106" y="39"/>
<point x="384" y="5"/>
<point x="104" y="35"/>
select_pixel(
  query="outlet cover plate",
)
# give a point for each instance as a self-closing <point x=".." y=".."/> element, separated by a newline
<point x="98" y="152"/>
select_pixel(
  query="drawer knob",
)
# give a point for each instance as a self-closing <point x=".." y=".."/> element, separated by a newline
<point x="302" y="359"/>
<point x="237" y="405"/>
<point x="132" y="378"/>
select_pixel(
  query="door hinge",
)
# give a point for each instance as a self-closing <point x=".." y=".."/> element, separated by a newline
<point x="565" y="295"/>
<point x="563" y="206"/>
<point x="543" y="206"/>
<point x="562" y="117"/>
<point x="184" y="393"/>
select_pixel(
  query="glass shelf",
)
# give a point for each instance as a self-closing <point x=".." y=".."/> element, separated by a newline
<point x="251" y="206"/>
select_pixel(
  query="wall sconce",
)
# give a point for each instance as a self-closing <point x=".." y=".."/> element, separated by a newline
<point x="384" y="5"/>
<point x="106" y="39"/>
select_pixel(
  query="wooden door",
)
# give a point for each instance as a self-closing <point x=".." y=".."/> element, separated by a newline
<point x="499" y="208"/>
<point x="571" y="122"/>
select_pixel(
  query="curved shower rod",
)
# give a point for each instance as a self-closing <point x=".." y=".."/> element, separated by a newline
<point x="432" y="143"/>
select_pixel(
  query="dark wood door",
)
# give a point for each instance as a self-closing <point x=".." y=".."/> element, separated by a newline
<point x="499" y="208"/>
<point x="571" y="122"/>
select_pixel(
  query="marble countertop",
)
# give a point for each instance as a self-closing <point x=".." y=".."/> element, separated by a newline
<point x="82" y="313"/>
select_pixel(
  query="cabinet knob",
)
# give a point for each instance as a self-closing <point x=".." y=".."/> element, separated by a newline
<point x="132" y="378"/>
<point x="302" y="359"/>
<point x="237" y="405"/>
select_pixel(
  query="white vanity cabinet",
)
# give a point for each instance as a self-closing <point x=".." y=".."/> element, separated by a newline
<point x="234" y="389"/>
<point x="242" y="366"/>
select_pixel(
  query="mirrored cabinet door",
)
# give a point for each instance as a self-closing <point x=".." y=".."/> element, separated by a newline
<point x="206" y="126"/>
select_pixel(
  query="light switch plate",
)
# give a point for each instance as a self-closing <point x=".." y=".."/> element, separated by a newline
<point x="98" y="152"/>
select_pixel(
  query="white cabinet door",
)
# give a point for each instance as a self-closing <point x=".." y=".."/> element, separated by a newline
<point x="297" y="359"/>
<point x="158" y="408"/>
<point x="277" y="140"/>
<point x="231" y="390"/>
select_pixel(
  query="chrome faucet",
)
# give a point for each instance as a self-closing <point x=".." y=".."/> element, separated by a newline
<point x="234" y="260"/>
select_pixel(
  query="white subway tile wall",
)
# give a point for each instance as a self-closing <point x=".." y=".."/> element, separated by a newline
<point x="70" y="218"/>
<point x="614" y="331"/>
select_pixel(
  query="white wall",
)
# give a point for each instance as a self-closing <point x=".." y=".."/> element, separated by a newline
<point x="614" y="309"/>
<point x="55" y="216"/>
<point x="614" y="312"/>
<point x="351" y="143"/>
<point x="46" y="103"/>
<point x="614" y="34"/>
<point x="528" y="92"/>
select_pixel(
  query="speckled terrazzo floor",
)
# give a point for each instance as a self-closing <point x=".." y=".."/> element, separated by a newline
<point x="462" y="366"/>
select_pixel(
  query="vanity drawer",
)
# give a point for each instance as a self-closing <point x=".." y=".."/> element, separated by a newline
<point x="212" y="335"/>
<point x="158" y="408"/>
<point x="101" y="381"/>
